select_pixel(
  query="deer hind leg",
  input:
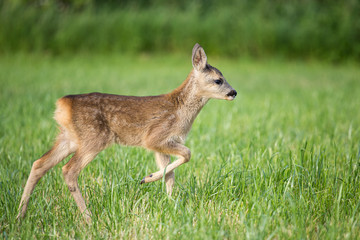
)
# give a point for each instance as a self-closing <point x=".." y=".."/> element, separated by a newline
<point x="162" y="161"/>
<point x="71" y="172"/>
<point x="176" y="149"/>
<point x="62" y="148"/>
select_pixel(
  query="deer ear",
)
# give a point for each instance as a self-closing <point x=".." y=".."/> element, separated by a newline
<point x="199" y="58"/>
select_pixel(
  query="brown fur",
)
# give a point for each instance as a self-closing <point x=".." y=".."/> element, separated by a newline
<point x="91" y="122"/>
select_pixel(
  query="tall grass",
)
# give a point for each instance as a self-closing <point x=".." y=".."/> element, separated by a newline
<point x="295" y="29"/>
<point x="281" y="161"/>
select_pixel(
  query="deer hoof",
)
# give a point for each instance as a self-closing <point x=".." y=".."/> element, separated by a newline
<point x="144" y="181"/>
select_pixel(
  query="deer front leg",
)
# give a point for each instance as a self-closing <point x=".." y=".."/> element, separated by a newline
<point x="172" y="148"/>
<point x="162" y="161"/>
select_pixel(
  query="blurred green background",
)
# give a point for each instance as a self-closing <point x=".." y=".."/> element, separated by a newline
<point x="302" y="29"/>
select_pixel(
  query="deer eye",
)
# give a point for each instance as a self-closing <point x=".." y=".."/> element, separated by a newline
<point x="218" y="81"/>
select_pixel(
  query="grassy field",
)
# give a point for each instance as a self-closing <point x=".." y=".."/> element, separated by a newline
<point x="322" y="29"/>
<point x="281" y="161"/>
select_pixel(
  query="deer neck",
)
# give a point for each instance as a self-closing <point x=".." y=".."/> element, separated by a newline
<point x="188" y="101"/>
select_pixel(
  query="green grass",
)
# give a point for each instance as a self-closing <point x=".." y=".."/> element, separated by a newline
<point x="281" y="161"/>
<point x="319" y="29"/>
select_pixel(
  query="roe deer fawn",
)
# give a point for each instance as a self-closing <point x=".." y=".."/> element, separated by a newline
<point x="91" y="122"/>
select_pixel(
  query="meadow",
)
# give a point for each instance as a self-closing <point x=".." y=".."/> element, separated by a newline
<point x="322" y="29"/>
<point x="281" y="161"/>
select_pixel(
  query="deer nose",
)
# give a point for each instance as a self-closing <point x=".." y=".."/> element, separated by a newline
<point x="232" y="93"/>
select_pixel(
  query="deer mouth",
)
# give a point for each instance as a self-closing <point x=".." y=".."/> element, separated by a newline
<point x="231" y="95"/>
